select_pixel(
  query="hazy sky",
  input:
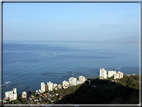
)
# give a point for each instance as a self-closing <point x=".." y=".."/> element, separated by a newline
<point x="70" y="21"/>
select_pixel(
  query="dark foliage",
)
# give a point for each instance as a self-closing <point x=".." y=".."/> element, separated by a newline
<point x="125" y="91"/>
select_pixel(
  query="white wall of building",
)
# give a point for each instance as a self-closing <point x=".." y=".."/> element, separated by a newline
<point x="103" y="73"/>
<point x="82" y="79"/>
<point x="111" y="73"/>
<point x="12" y="95"/>
<point x="50" y="86"/>
<point x="65" y="84"/>
<point x="55" y="86"/>
<point x="42" y="87"/>
<point x="24" y="94"/>
<point x="72" y="81"/>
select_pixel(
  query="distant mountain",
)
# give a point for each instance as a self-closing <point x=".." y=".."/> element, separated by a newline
<point x="132" y="39"/>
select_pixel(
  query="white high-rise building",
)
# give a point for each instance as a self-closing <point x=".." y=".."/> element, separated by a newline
<point x="82" y="79"/>
<point x="65" y="84"/>
<point x="78" y="82"/>
<point x="14" y="90"/>
<point x="42" y="87"/>
<point x="111" y="73"/>
<point x="103" y="73"/>
<point x="72" y="81"/>
<point x="12" y="95"/>
<point x="50" y="86"/>
<point x="120" y="74"/>
<point x="24" y="94"/>
<point x="55" y="86"/>
<point x="7" y="93"/>
<point x="59" y="86"/>
<point x="116" y="76"/>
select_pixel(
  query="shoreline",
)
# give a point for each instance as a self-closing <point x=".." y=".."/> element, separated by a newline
<point x="19" y="93"/>
<point x="96" y="86"/>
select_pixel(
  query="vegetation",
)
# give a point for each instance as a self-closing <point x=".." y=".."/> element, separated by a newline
<point x="122" y="91"/>
<point x="107" y="91"/>
<point x="70" y="90"/>
<point x="24" y="100"/>
<point x="43" y="101"/>
<point x="130" y="81"/>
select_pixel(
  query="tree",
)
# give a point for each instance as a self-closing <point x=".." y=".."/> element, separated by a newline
<point x="98" y="77"/>
<point x="24" y="100"/>
<point x="56" y="98"/>
<point x="43" y="101"/>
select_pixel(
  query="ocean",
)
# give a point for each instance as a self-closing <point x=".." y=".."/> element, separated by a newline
<point x="28" y="63"/>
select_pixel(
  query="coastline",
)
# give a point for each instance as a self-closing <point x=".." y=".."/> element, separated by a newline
<point x="96" y="84"/>
<point x="70" y="76"/>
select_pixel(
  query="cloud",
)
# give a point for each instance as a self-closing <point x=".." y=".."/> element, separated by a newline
<point x="117" y="25"/>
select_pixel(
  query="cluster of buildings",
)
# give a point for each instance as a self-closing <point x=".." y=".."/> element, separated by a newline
<point x="32" y="99"/>
<point x="12" y="95"/>
<point x="65" y="84"/>
<point x="114" y="74"/>
<point x="48" y="97"/>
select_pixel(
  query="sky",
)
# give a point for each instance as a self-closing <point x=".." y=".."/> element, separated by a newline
<point x="70" y="21"/>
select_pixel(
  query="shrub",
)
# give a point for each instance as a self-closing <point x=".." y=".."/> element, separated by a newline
<point x="43" y="101"/>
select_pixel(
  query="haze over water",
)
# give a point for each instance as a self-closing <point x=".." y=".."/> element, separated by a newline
<point x="27" y="64"/>
<point x="53" y="41"/>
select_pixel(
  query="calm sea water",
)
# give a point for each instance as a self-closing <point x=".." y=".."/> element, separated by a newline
<point x="27" y="64"/>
